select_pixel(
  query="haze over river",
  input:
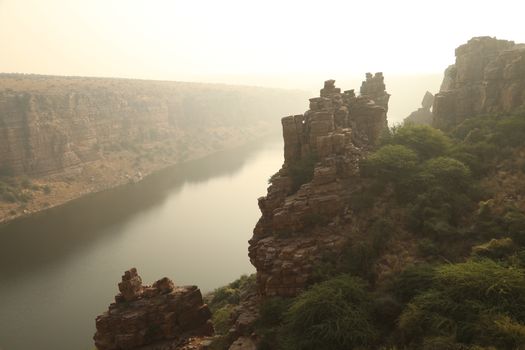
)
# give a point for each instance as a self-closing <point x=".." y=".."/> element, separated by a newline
<point x="60" y="268"/>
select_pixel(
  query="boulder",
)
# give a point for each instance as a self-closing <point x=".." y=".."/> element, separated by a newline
<point x="161" y="316"/>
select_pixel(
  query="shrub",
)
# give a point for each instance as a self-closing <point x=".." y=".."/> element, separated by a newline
<point x="272" y="310"/>
<point x="412" y="281"/>
<point x="469" y="303"/>
<point x="222" y="319"/>
<point x="427" y="141"/>
<point x="390" y="163"/>
<point x="231" y="294"/>
<point x="331" y="315"/>
<point x="515" y="222"/>
<point x="507" y="331"/>
<point x="487" y="282"/>
<point x="447" y="173"/>
<point x="495" y="248"/>
<point x="509" y="131"/>
<point x="437" y="212"/>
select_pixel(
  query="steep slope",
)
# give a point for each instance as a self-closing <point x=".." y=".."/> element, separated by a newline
<point x="413" y="242"/>
<point x="306" y="208"/>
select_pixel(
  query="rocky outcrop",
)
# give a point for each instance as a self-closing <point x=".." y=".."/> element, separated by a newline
<point x="161" y="316"/>
<point x="487" y="78"/>
<point x="423" y="115"/>
<point x="327" y="141"/>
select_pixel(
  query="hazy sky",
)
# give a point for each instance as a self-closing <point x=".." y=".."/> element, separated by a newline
<point x="270" y="42"/>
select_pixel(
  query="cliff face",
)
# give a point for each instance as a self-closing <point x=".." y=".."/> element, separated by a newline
<point x="161" y="316"/>
<point x="49" y="125"/>
<point x="327" y="142"/>
<point x="487" y="78"/>
<point x="74" y="136"/>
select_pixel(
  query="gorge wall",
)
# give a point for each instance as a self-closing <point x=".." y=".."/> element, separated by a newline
<point x="50" y="124"/>
<point x="322" y="149"/>
<point x="75" y="135"/>
<point x="487" y="78"/>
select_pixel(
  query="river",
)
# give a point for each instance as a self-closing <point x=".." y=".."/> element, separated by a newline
<point x="60" y="268"/>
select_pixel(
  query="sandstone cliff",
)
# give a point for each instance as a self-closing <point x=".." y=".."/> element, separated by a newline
<point x="308" y="197"/>
<point x="487" y="78"/>
<point x="161" y="316"/>
<point x="80" y="135"/>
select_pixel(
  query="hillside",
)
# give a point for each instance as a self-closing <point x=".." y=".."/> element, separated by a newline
<point x="63" y="137"/>
<point x="411" y="237"/>
<point x="407" y="238"/>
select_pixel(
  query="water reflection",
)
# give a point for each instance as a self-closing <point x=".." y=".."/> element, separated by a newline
<point x="59" y="269"/>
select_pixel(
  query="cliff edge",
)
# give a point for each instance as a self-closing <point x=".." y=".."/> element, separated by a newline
<point x="306" y="204"/>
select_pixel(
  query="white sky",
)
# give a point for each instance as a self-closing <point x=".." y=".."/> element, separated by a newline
<point x="267" y="42"/>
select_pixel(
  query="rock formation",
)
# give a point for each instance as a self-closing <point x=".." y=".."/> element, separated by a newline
<point x="487" y="78"/>
<point x="328" y="141"/>
<point x="423" y="115"/>
<point x="161" y="316"/>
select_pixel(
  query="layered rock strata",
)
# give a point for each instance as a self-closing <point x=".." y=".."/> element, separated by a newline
<point x="487" y="78"/>
<point x="74" y="136"/>
<point x="161" y="316"/>
<point x="294" y="232"/>
<point x="51" y="124"/>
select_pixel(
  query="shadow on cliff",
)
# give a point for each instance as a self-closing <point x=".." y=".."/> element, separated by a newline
<point x="50" y="236"/>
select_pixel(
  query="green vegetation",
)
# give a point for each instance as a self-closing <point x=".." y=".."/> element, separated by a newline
<point x="334" y="314"/>
<point x="224" y="299"/>
<point x="19" y="190"/>
<point x="466" y="288"/>
<point x="472" y="303"/>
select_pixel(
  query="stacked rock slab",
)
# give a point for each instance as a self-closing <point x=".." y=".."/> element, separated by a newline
<point x="161" y="316"/>
<point x="335" y="132"/>
<point x="423" y="115"/>
<point x="487" y="78"/>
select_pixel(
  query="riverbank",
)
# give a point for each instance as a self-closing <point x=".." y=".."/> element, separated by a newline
<point x="124" y="165"/>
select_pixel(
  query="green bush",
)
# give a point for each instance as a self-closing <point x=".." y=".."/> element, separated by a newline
<point x="222" y="319"/>
<point x="495" y="248"/>
<point x="515" y="222"/>
<point x="437" y="213"/>
<point x="487" y="282"/>
<point x="231" y="294"/>
<point x="334" y="314"/>
<point x="427" y="141"/>
<point x="465" y="302"/>
<point x="272" y="310"/>
<point x="390" y="163"/>
<point x="447" y="173"/>
<point x="412" y="281"/>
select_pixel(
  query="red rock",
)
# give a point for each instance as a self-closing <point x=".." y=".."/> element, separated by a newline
<point x="160" y="316"/>
<point x="487" y="78"/>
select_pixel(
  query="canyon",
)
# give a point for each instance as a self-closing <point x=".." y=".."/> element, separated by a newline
<point x="313" y="212"/>
<point x="71" y="136"/>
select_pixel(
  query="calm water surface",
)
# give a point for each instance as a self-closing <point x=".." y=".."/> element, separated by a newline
<point x="59" y="269"/>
